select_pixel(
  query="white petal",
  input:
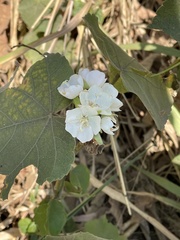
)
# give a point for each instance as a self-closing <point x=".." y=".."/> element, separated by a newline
<point x="86" y="135"/>
<point x="107" y="112"/>
<point x="73" y="129"/>
<point x="62" y="88"/>
<point x="95" y="77"/>
<point x="99" y="98"/>
<point x="96" y="98"/>
<point x="110" y="89"/>
<point x="73" y="115"/>
<point x="76" y="80"/>
<point x="83" y="123"/>
<point x="83" y="96"/>
<point x="83" y="72"/>
<point x="94" y="92"/>
<point x="71" y="89"/>
<point x="95" y="123"/>
<point x="88" y="111"/>
<point x="107" y="125"/>
<point x="103" y="101"/>
<point x="116" y="104"/>
<point x="72" y="121"/>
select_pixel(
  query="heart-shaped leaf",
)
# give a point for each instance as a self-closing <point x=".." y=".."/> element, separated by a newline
<point x="31" y="131"/>
<point x="75" y="236"/>
<point x="135" y="77"/>
<point x="168" y="18"/>
<point x="102" y="228"/>
<point x="79" y="177"/>
<point x="50" y="217"/>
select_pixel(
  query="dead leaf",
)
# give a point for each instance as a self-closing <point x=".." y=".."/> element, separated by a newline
<point x="4" y="49"/>
<point x="142" y="12"/>
<point x="11" y="234"/>
<point x="5" y="16"/>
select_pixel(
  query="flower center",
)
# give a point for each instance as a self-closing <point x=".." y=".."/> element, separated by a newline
<point x="84" y="122"/>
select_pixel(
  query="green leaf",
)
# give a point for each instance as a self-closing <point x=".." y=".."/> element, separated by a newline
<point x="32" y="228"/>
<point x="50" y="217"/>
<point x="161" y="181"/>
<point x="150" y="90"/>
<point x="56" y="217"/>
<point x="27" y="226"/>
<point x="75" y="236"/>
<point x="101" y="228"/>
<point x="30" y="10"/>
<point x="151" y="47"/>
<point x="168" y="18"/>
<point x="79" y="177"/>
<point x="78" y="4"/>
<point x="175" y="119"/>
<point x="70" y="188"/>
<point x="70" y="226"/>
<point x="114" y="79"/>
<point x="40" y="218"/>
<point x="168" y="201"/>
<point x="31" y="131"/>
<point x="176" y="160"/>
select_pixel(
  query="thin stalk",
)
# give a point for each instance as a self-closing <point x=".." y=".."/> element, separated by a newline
<point x="59" y="184"/>
<point x="120" y="174"/>
<point x="41" y="15"/>
<point x="176" y="64"/>
<point x="51" y="20"/>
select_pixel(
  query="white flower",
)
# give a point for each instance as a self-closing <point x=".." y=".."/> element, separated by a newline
<point x="113" y="92"/>
<point x="83" y="123"/>
<point x="96" y="98"/>
<point x="93" y="77"/>
<point x="72" y="87"/>
<point x="102" y="98"/>
<point x="108" y="125"/>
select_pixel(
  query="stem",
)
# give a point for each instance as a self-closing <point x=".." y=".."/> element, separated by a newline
<point x="32" y="48"/>
<point x="58" y="188"/>
<point x="76" y="101"/>
<point x="176" y="64"/>
<point x="120" y="174"/>
<point x="98" y="139"/>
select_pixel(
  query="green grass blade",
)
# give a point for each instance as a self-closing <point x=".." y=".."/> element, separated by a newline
<point x="166" y="184"/>
<point x="151" y="47"/>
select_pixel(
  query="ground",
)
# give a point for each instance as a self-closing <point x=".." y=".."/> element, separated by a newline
<point x="137" y="140"/>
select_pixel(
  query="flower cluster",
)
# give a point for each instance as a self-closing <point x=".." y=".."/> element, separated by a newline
<point x="95" y="102"/>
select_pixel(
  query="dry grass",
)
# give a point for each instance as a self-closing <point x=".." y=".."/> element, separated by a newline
<point x="137" y="139"/>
